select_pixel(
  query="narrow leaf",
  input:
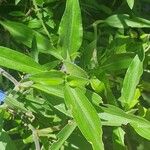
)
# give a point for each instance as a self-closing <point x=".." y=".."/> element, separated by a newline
<point x="118" y="139"/>
<point x="14" y="104"/>
<point x="115" y="116"/>
<point x="52" y="90"/>
<point x="85" y="116"/>
<point x="17" y="1"/>
<point x="125" y="21"/>
<point x="144" y="132"/>
<point x="49" y="78"/>
<point x="130" y="82"/>
<point x="130" y="3"/>
<point x="118" y="62"/>
<point x="23" y="34"/>
<point x="70" y="29"/>
<point x="74" y="70"/>
<point x="18" y="61"/>
<point x="63" y="135"/>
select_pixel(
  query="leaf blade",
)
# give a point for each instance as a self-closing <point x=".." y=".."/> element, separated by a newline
<point x="130" y="3"/>
<point x="125" y="21"/>
<point x="18" y="61"/>
<point x="85" y="116"/>
<point x="70" y="29"/>
<point x="63" y="135"/>
<point x="130" y="82"/>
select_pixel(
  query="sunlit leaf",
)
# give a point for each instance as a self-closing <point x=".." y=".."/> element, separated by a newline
<point x="70" y="29"/>
<point x="124" y="21"/>
<point x="49" y="78"/>
<point x="23" y="34"/>
<point x="17" y="1"/>
<point x="63" y="135"/>
<point x="130" y="3"/>
<point x="85" y="116"/>
<point x="130" y="82"/>
<point x="74" y="70"/>
<point x="18" y="61"/>
<point x="118" y="139"/>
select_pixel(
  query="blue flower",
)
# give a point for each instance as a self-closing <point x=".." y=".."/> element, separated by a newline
<point x="2" y="96"/>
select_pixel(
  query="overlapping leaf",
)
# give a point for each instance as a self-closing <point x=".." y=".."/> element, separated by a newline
<point x="85" y="116"/>
<point x="70" y="29"/>
<point x="130" y="82"/>
<point x="124" y="21"/>
<point x="18" y="61"/>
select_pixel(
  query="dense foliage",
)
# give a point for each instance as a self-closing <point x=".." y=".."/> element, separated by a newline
<point x="75" y="74"/>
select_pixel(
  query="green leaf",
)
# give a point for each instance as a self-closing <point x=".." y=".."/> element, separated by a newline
<point x="34" y="50"/>
<point x="39" y="2"/>
<point x="17" y="1"/>
<point x="115" y="116"/>
<point x="49" y="78"/>
<point x="74" y="70"/>
<point x="130" y="82"/>
<point x="144" y="132"/>
<point x="63" y="135"/>
<point x="25" y="35"/>
<point x="130" y="3"/>
<point x="1" y="120"/>
<point x="85" y="116"/>
<point x="125" y="21"/>
<point x="75" y="81"/>
<point x="115" y="63"/>
<point x="6" y="143"/>
<point x="118" y="139"/>
<point x="97" y="85"/>
<point x="55" y="90"/>
<point x="15" y="104"/>
<point x="18" y="61"/>
<point x="93" y="97"/>
<point x="70" y="29"/>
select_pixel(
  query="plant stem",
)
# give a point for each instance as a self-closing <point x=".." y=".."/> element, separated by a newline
<point x="35" y="137"/>
<point x="8" y="76"/>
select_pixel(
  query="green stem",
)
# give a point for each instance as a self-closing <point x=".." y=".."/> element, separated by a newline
<point x="35" y="137"/>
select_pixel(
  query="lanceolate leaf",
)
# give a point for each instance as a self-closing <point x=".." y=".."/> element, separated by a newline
<point x="117" y="62"/>
<point x="18" y="61"/>
<point x="114" y="116"/>
<point x="52" y="90"/>
<point x="17" y="1"/>
<point x="63" y="135"/>
<point x="118" y="139"/>
<point x="49" y="78"/>
<point x="15" y="104"/>
<point x="85" y="116"/>
<point x="124" y="21"/>
<point x="130" y="82"/>
<point x="70" y="29"/>
<point x="74" y="70"/>
<point x="144" y="132"/>
<point x="23" y="34"/>
<point x="130" y="3"/>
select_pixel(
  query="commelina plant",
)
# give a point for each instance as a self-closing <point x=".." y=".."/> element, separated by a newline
<point x="75" y="75"/>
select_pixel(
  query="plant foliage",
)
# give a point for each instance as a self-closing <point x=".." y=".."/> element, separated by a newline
<point x="75" y="74"/>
